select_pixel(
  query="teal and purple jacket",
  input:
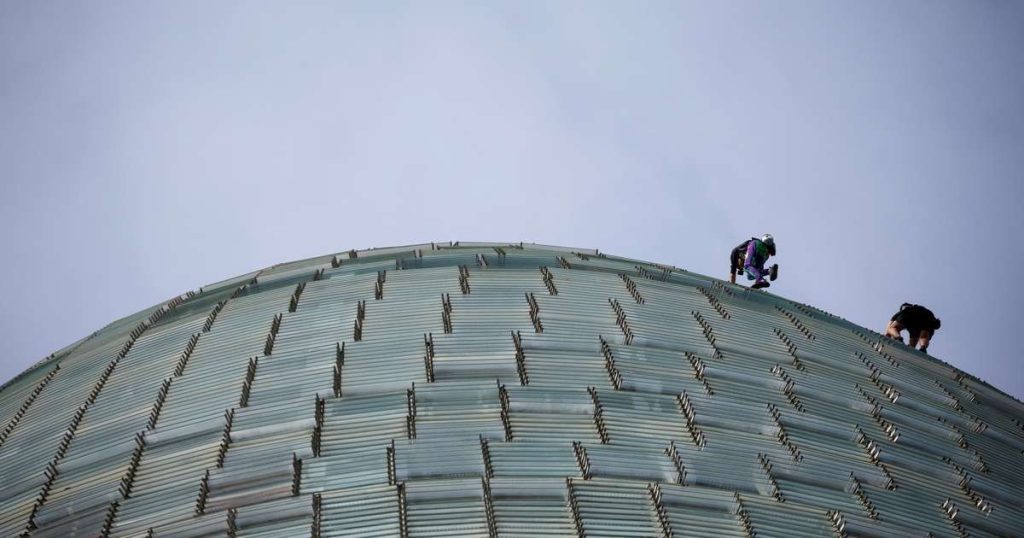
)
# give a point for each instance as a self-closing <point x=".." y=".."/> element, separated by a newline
<point x="757" y="255"/>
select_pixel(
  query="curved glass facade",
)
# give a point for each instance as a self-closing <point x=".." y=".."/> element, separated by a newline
<point x="500" y="390"/>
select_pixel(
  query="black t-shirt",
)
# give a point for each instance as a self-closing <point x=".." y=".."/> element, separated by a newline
<point x="736" y="256"/>
<point x="917" y="317"/>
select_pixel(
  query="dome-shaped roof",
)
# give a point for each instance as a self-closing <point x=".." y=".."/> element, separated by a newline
<point x="502" y="390"/>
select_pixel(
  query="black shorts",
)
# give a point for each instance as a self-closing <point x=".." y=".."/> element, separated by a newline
<point x="915" y="332"/>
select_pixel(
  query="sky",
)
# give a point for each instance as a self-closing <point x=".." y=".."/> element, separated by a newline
<point x="149" y="148"/>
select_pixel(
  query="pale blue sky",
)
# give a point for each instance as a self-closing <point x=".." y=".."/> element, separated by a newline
<point x="148" y="148"/>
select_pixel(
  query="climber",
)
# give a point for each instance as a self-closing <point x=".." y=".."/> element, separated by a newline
<point x="750" y="257"/>
<point x="919" y="322"/>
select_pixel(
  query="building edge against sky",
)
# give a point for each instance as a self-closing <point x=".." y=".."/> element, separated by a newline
<point x="385" y="251"/>
<point x="493" y="388"/>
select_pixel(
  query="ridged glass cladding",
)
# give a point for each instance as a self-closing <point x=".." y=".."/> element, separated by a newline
<point x="500" y="390"/>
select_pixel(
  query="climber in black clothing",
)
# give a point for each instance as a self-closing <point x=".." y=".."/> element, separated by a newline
<point x="919" y="322"/>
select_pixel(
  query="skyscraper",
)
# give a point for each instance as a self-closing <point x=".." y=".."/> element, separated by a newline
<point x="500" y="389"/>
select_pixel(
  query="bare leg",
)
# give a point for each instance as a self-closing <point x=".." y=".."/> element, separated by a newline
<point x="893" y="330"/>
<point x="925" y="338"/>
<point x="732" y="277"/>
